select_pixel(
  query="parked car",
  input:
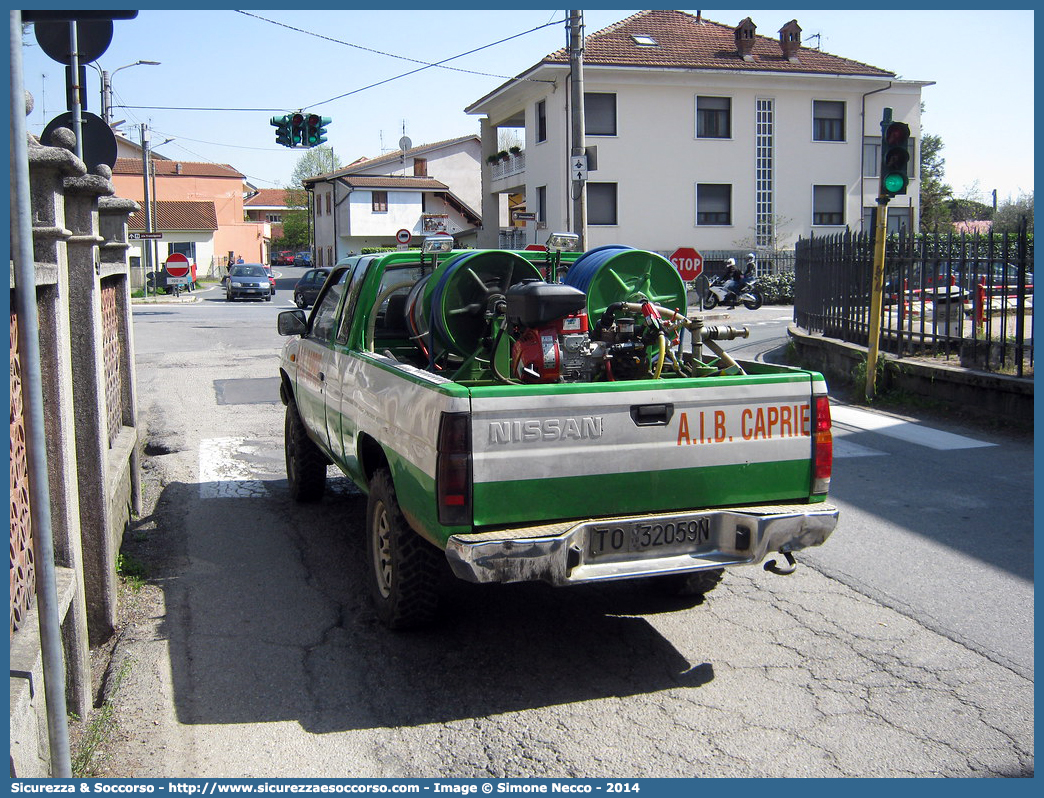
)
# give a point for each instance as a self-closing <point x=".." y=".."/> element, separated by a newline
<point x="303" y="259"/>
<point x="283" y="258"/>
<point x="271" y="277"/>
<point x="307" y="288"/>
<point x="1003" y="278"/>
<point x="248" y="280"/>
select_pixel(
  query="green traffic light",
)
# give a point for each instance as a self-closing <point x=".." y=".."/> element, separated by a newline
<point x="894" y="182"/>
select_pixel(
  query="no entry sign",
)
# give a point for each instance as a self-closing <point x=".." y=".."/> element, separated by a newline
<point x="688" y="262"/>
<point x="177" y="265"/>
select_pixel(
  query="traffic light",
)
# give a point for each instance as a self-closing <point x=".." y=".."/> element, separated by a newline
<point x="895" y="157"/>
<point x="297" y="129"/>
<point x="315" y="130"/>
<point x="282" y="126"/>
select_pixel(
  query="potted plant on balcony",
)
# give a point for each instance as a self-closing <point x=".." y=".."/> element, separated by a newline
<point x="493" y="159"/>
<point x="516" y="150"/>
<point x="504" y="156"/>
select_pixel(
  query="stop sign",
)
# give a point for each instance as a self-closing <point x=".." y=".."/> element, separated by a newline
<point x="688" y="262"/>
<point x="177" y="265"/>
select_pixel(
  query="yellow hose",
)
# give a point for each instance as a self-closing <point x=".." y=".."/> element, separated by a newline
<point x="663" y="355"/>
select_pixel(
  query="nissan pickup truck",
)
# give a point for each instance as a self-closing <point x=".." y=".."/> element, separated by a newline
<point x="555" y="416"/>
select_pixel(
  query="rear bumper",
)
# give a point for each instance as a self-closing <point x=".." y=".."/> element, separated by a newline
<point x="565" y="554"/>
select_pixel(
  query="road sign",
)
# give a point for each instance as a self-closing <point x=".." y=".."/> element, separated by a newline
<point x="688" y="262"/>
<point x="177" y="265"/>
<point x="144" y="236"/>
<point x="578" y="167"/>
<point x="524" y="216"/>
<point x="403" y="236"/>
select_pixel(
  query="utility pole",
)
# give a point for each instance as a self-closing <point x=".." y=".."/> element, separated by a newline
<point x="576" y="120"/>
<point x="146" y="246"/>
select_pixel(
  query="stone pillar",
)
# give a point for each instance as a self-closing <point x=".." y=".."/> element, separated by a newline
<point x="48" y="167"/>
<point x="113" y="214"/>
<point x="89" y="406"/>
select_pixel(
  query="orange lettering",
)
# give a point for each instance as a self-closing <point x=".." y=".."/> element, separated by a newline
<point x="683" y="430"/>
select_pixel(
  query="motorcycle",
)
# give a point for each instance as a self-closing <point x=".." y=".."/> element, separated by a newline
<point x="749" y="296"/>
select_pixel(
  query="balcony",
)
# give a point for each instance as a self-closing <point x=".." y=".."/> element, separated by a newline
<point x="514" y="165"/>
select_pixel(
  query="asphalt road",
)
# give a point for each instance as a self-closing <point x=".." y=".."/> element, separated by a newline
<point x="253" y="651"/>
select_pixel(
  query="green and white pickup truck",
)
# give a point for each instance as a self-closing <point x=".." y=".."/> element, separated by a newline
<point x="522" y="425"/>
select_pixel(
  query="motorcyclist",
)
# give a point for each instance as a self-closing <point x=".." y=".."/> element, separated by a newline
<point x="734" y="281"/>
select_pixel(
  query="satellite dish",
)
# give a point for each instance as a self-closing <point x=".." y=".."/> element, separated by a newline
<point x="405" y="143"/>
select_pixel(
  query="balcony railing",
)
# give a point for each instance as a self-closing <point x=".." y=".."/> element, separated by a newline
<point x="514" y="165"/>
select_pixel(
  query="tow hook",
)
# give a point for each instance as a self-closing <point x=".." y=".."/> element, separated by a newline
<point x="782" y="570"/>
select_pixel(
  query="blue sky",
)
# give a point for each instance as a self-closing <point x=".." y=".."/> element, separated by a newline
<point x="981" y="63"/>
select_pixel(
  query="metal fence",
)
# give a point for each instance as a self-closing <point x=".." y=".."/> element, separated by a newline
<point x="968" y="298"/>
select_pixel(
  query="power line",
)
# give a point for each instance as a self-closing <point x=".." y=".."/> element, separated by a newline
<point x="425" y="64"/>
<point x="379" y="52"/>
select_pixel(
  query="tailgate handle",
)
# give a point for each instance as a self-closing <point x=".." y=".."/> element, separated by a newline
<point x="652" y="415"/>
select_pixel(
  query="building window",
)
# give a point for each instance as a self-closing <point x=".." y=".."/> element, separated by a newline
<point x="713" y="203"/>
<point x="420" y="167"/>
<point x="318" y="204"/>
<point x="765" y="223"/>
<point x="899" y="220"/>
<point x="713" y="117"/>
<point x="828" y="205"/>
<point x="599" y="114"/>
<point x="328" y="195"/>
<point x="379" y="201"/>
<point x="541" y="208"/>
<point x="541" y="120"/>
<point x="872" y="157"/>
<point x="273" y="217"/>
<point x="828" y="120"/>
<point x="601" y="203"/>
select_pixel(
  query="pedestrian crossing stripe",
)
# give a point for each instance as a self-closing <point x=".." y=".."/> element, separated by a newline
<point x="909" y="431"/>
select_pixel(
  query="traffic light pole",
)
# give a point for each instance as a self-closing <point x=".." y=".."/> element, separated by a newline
<point x="876" y="295"/>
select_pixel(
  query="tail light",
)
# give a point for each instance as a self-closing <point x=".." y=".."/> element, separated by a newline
<point x="453" y="469"/>
<point x="822" y="445"/>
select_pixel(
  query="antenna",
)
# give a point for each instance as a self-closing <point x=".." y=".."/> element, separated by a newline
<point x="818" y="38"/>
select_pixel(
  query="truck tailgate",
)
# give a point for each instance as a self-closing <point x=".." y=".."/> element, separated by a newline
<point x="588" y="450"/>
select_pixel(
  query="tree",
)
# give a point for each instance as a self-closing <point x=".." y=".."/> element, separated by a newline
<point x="935" y="193"/>
<point x="319" y="160"/>
<point x="1010" y="212"/>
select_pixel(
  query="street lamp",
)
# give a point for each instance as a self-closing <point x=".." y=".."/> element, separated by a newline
<point x="106" y="86"/>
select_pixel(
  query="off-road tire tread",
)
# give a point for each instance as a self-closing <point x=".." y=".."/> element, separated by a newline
<point x="308" y="480"/>
<point x="414" y="597"/>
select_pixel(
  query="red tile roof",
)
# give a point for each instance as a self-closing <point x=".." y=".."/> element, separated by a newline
<point x="391" y="181"/>
<point x="269" y="198"/>
<point x="132" y="166"/>
<point x="178" y="215"/>
<point x="688" y="42"/>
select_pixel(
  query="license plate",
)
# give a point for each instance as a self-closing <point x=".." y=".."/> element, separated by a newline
<point x="623" y="539"/>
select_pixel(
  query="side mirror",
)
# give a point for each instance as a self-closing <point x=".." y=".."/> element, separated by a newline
<point x="292" y="322"/>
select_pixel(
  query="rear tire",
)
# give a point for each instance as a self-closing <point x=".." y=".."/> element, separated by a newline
<point x="710" y="301"/>
<point x="757" y="301"/>
<point x="305" y="462"/>
<point x="299" y="300"/>
<point x="696" y="583"/>
<point x="404" y="568"/>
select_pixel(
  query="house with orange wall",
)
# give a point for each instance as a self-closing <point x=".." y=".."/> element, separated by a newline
<point x="198" y="210"/>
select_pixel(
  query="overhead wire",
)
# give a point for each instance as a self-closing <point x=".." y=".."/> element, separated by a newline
<point x="425" y="65"/>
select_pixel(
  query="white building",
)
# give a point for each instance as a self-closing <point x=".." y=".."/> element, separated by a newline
<point x="432" y="188"/>
<point x="707" y="136"/>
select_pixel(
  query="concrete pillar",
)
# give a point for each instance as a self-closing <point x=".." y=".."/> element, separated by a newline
<point x="113" y="213"/>
<point x="48" y="167"/>
<point x="89" y="406"/>
<point x="489" y="235"/>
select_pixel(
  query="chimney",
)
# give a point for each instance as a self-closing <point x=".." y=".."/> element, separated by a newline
<point x="745" y="39"/>
<point x="177" y="168"/>
<point x="790" y="40"/>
